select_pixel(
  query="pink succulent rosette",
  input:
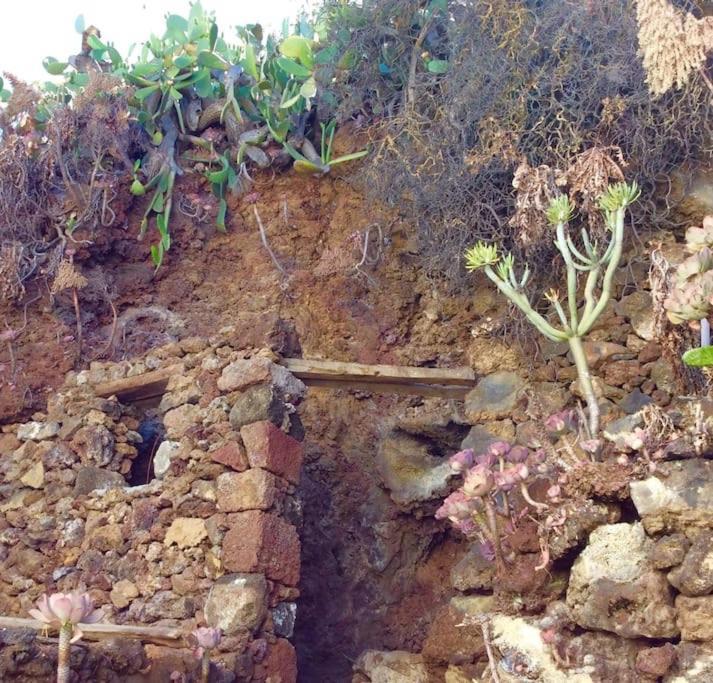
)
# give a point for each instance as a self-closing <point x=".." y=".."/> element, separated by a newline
<point x="61" y="609"/>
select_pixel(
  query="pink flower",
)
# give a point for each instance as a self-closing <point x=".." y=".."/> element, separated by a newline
<point x="204" y="639"/>
<point x="61" y="609"/>
<point x="456" y="506"/>
<point x="208" y="638"/>
<point x="485" y="459"/>
<point x="466" y="526"/>
<point x="517" y="454"/>
<point x="538" y="457"/>
<point x="505" y="480"/>
<point x="462" y="460"/>
<point x="499" y="449"/>
<point x="487" y="550"/>
<point x="478" y="482"/>
<point x="591" y="445"/>
<point x="561" y="422"/>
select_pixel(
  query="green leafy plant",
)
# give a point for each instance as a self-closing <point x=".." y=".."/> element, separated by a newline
<point x="190" y="78"/>
<point x="309" y="162"/>
<point x="599" y="265"/>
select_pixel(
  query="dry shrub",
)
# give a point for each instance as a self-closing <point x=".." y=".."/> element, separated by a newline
<point x="674" y="43"/>
<point x="557" y="83"/>
<point x="64" y="172"/>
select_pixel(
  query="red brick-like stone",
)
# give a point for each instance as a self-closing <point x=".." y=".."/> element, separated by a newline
<point x="280" y="663"/>
<point x="255" y="489"/>
<point x="231" y="454"/>
<point x="262" y="542"/>
<point x="269" y="448"/>
<point x="245" y="373"/>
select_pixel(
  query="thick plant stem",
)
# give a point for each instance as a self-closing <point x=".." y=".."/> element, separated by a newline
<point x="205" y="667"/>
<point x="495" y="534"/>
<point x="585" y="379"/>
<point x="65" y="636"/>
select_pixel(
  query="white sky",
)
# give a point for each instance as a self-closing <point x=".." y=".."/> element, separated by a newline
<point x="31" y="30"/>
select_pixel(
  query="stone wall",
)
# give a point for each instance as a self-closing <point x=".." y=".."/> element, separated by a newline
<point x="626" y="593"/>
<point x="212" y="539"/>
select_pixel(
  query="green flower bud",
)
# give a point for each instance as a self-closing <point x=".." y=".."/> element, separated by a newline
<point x="480" y="255"/>
<point x="560" y="210"/>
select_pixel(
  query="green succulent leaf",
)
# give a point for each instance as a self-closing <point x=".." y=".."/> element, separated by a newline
<point x="53" y="66"/>
<point x="298" y="47"/>
<point x="699" y="358"/>
<point x="250" y="62"/>
<point x="349" y="157"/>
<point x="437" y="66"/>
<point x="137" y="188"/>
<point x="220" y="218"/>
<point x="305" y="167"/>
<point x="619" y="196"/>
<point x="212" y="61"/>
<point x="95" y="43"/>
<point x="309" y="88"/>
<point x="142" y="93"/>
<point x="291" y="67"/>
<point x="157" y="254"/>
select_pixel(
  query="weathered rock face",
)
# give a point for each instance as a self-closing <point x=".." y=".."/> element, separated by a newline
<point x="409" y="472"/>
<point x="526" y="655"/>
<point x="695" y="575"/>
<point x="638" y="309"/>
<point x="455" y="636"/>
<point x="257" y="404"/>
<point x="681" y="501"/>
<point x="614" y="587"/>
<point x="695" y="617"/>
<point x="237" y="601"/>
<point x="390" y="667"/>
<point x="263" y="542"/>
<point x="494" y="397"/>
<point x="473" y="571"/>
<point x="163" y="457"/>
<point x="693" y="664"/>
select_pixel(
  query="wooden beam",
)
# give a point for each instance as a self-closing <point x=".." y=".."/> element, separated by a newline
<point x="404" y="389"/>
<point x="140" y="387"/>
<point x="306" y="369"/>
<point x="327" y="374"/>
<point x="158" y="635"/>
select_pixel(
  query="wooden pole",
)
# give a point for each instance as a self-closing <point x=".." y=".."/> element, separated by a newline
<point x="158" y="635"/>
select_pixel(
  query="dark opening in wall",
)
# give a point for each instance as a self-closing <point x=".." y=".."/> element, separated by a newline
<point x="152" y="431"/>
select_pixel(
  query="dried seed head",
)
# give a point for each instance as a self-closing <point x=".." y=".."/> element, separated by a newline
<point x="67" y="277"/>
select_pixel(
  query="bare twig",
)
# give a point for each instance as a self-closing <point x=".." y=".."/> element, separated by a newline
<point x="10" y="335"/>
<point x="263" y="238"/>
<point x="410" y="92"/>
<point x="485" y="628"/>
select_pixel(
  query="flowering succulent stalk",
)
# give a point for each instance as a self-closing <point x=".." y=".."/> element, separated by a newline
<point x="573" y="325"/>
<point x="66" y="611"/>
<point x="205" y="639"/>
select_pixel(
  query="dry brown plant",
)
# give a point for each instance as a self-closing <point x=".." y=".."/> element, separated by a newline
<point x="673" y="44"/>
<point x="535" y="187"/>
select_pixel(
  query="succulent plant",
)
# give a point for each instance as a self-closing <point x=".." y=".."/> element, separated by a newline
<point x="691" y="295"/>
<point x="575" y="323"/>
<point x="205" y="639"/>
<point x="700" y="238"/>
<point x="66" y="611"/>
<point x="482" y="499"/>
